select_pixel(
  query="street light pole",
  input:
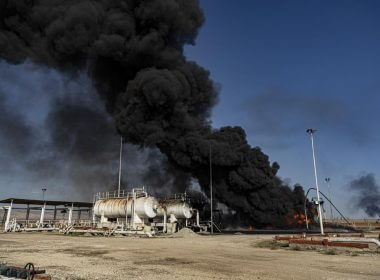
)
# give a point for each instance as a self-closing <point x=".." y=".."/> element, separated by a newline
<point x="311" y="132"/>
<point x="211" y="206"/>
<point x="328" y="187"/>
<point x="43" y="193"/>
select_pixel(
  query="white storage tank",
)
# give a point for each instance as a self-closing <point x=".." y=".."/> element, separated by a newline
<point x="145" y="207"/>
<point x="180" y="209"/>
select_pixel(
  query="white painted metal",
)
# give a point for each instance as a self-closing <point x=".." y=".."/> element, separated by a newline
<point x="198" y="218"/>
<point x="42" y="215"/>
<point x="70" y="214"/>
<point x="9" y="210"/>
<point x="181" y="210"/>
<point x="311" y="131"/>
<point x="165" y="222"/>
<point x="144" y="207"/>
<point x="172" y="218"/>
<point x="353" y="239"/>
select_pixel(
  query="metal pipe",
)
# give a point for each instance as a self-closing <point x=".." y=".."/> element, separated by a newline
<point x="55" y="213"/>
<point x="311" y="131"/>
<point x="27" y="214"/>
<point x="198" y="218"/>
<point x="42" y="215"/>
<point x="71" y="214"/>
<point x="165" y="221"/>
<point x="121" y="151"/>
<point x="328" y="187"/>
<point x="133" y="209"/>
<point x="93" y="207"/>
<point x="8" y="216"/>
<point x="336" y="209"/>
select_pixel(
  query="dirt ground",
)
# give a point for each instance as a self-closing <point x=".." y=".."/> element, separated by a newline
<point x="199" y="257"/>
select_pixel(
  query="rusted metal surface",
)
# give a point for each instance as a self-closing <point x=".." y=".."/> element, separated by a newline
<point x="300" y="236"/>
<point x="27" y="272"/>
<point x="180" y="209"/>
<point x="335" y="240"/>
<point x="42" y="277"/>
<point x="145" y="207"/>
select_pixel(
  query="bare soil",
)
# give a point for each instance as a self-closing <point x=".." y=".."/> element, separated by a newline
<point x="203" y="257"/>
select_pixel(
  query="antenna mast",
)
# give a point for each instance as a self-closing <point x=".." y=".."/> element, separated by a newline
<point x="211" y="206"/>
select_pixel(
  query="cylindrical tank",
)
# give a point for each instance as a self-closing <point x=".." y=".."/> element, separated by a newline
<point x="145" y="207"/>
<point x="180" y="209"/>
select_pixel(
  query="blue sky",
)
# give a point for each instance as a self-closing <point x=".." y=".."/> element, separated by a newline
<point x="284" y="66"/>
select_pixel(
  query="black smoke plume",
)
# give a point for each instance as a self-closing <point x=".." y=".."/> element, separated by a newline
<point x="133" y="51"/>
<point x="367" y="194"/>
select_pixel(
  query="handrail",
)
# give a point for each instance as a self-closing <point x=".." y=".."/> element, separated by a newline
<point x="123" y="194"/>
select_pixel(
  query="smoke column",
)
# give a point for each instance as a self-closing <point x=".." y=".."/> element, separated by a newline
<point x="133" y="52"/>
<point x="368" y="194"/>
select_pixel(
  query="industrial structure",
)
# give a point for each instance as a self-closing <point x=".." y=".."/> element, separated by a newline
<point x="118" y="212"/>
<point x="42" y="215"/>
<point x="138" y="212"/>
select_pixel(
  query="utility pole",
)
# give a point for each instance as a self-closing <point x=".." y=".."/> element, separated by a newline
<point x="328" y="186"/>
<point x="211" y="206"/>
<point x="311" y="132"/>
<point x="121" y="151"/>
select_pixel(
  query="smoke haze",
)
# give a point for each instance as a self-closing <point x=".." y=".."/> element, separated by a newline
<point x="278" y="116"/>
<point x="367" y="194"/>
<point x="59" y="136"/>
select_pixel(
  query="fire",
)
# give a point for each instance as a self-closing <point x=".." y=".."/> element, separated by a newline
<point x="297" y="219"/>
<point x="300" y="219"/>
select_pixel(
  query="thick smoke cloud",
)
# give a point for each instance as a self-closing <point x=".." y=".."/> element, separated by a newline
<point x="133" y="51"/>
<point x="367" y="195"/>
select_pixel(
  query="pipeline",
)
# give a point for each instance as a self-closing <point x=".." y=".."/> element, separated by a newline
<point x="328" y="201"/>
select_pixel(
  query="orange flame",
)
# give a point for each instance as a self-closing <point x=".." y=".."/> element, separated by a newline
<point x="300" y="219"/>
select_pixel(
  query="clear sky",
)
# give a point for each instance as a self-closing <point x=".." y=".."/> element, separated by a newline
<point x="284" y="66"/>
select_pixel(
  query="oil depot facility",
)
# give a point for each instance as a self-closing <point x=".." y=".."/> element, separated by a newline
<point x="118" y="212"/>
<point x="123" y="212"/>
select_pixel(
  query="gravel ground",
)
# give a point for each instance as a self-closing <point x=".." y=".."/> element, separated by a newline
<point x="187" y="257"/>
